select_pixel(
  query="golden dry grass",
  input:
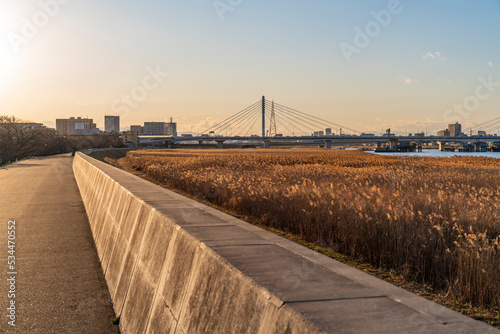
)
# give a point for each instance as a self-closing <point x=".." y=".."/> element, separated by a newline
<point x="433" y="220"/>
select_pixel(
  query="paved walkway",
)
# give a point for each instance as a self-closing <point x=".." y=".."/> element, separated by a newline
<point x="59" y="285"/>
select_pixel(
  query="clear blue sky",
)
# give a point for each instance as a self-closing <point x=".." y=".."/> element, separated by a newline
<point x="80" y="63"/>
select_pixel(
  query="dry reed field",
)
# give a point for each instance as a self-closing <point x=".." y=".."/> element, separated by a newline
<point x="432" y="220"/>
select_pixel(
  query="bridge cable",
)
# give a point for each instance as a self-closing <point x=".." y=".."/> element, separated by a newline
<point x="481" y="125"/>
<point x="310" y="121"/>
<point x="244" y="122"/>
<point x="233" y="116"/>
<point x="317" y="118"/>
<point x="294" y="122"/>
<point x="240" y="122"/>
<point x="253" y="124"/>
<point x="236" y="125"/>
<point x="247" y="122"/>
<point x="283" y="125"/>
<point x="313" y="126"/>
<point x="227" y="124"/>
<point x="223" y="125"/>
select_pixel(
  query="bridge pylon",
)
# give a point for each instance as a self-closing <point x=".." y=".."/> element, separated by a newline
<point x="272" y="127"/>
<point x="263" y="116"/>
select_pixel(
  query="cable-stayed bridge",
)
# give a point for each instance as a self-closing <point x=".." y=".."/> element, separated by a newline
<point x="493" y="125"/>
<point x="265" y="117"/>
<point x="267" y="123"/>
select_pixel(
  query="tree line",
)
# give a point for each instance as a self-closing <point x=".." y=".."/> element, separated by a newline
<point x="20" y="140"/>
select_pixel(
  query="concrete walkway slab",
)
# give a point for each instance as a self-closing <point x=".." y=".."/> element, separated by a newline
<point x="60" y="287"/>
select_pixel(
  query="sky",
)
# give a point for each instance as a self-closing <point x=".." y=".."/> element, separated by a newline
<point x="412" y="65"/>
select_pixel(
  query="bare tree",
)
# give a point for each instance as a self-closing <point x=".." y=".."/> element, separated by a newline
<point x="16" y="139"/>
<point x="20" y="139"/>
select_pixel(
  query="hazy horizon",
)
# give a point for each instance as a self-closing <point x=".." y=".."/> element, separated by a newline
<point x="406" y="71"/>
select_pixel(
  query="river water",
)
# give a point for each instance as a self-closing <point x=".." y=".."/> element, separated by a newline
<point x="437" y="153"/>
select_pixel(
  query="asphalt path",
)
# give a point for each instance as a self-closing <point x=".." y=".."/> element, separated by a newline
<point x="56" y="282"/>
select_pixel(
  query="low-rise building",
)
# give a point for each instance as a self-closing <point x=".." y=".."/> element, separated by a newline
<point x="443" y="133"/>
<point x="156" y="128"/>
<point x="130" y="138"/>
<point x="137" y="128"/>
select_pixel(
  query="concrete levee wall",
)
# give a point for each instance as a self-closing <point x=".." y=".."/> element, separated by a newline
<point x="162" y="279"/>
<point x="174" y="265"/>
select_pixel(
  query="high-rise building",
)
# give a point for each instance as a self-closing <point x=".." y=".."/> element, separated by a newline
<point x="75" y="126"/>
<point x="328" y="131"/>
<point x="455" y="129"/>
<point x="112" y="123"/>
<point x="172" y="128"/>
<point x="154" y="128"/>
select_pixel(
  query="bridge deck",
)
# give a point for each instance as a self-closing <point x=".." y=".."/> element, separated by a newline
<point x="60" y="287"/>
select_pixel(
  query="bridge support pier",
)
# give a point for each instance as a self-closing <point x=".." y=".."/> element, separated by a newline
<point x="220" y="144"/>
<point x="328" y="144"/>
<point x="481" y="147"/>
<point x="441" y="146"/>
<point x="267" y="144"/>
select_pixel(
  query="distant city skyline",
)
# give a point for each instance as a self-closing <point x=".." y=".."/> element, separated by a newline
<point x="369" y="65"/>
